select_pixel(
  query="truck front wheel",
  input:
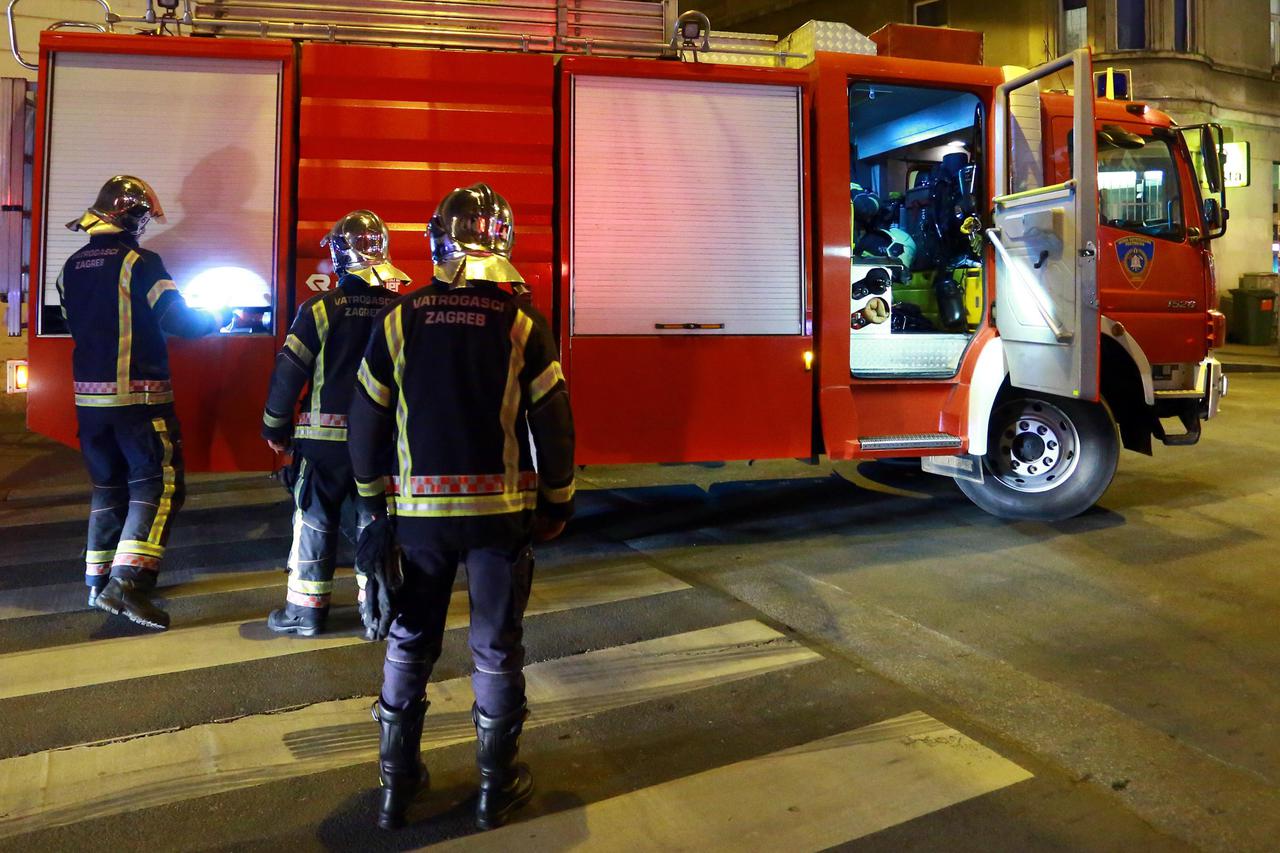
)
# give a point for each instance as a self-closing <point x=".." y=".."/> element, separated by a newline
<point x="1048" y="458"/>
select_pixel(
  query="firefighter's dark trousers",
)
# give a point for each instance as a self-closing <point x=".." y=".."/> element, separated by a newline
<point x="324" y="482"/>
<point x="498" y="582"/>
<point x="134" y="457"/>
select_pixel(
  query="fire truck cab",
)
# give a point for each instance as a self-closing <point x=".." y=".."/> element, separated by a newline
<point x="757" y="248"/>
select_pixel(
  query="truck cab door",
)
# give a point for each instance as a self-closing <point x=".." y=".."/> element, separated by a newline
<point x="1045" y="239"/>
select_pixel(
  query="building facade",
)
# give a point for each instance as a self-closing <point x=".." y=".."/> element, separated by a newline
<point x="1198" y="60"/>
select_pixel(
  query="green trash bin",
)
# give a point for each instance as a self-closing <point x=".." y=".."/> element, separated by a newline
<point x="1253" y="316"/>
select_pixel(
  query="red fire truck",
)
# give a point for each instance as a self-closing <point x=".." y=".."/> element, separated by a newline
<point x="750" y="248"/>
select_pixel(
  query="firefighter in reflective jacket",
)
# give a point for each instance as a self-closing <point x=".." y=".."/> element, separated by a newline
<point x="459" y="374"/>
<point x="119" y="303"/>
<point x="324" y="349"/>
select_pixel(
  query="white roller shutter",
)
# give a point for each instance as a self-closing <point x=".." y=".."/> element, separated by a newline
<point x="686" y="208"/>
<point x="203" y="132"/>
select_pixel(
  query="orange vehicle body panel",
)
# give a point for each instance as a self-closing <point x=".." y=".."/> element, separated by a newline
<point x="394" y="129"/>
<point x="677" y="398"/>
<point x="220" y="382"/>
<point x="852" y="408"/>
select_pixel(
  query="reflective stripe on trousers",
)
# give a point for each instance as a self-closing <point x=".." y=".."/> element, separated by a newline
<point x="498" y="583"/>
<point x="324" y="482"/>
<point x="134" y="458"/>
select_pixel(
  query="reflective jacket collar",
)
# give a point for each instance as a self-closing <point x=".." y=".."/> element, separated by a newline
<point x="99" y="240"/>
<point x="352" y="283"/>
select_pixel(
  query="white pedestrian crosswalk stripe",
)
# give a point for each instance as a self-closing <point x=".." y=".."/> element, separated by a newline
<point x="814" y="796"/>
<point x="105" y="661"/>
<point x="179" y="583"/>
<point x="70" y="545"/>
<point x="63" y="786"/>
<point x="811" y="797"/>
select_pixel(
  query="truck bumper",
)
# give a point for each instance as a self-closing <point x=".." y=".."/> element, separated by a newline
<point x="1213" y="382"/>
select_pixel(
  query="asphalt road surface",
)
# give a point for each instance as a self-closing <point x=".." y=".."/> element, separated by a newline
<point x="723" y="657"/>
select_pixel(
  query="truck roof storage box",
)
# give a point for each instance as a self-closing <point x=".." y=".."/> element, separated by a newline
<point x="942" y="44"/>
<point x="826" y="36"/>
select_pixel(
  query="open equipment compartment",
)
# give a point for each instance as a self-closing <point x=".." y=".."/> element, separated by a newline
<point x="917" y="192"/>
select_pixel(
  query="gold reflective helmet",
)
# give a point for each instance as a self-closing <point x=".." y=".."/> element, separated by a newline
<point x="124" y="204"/>
<point x="471" y="236"/>
<point x="359" y="245"/>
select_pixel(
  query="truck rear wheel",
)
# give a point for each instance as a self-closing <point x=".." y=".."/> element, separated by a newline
<point x="1048" y="458"/>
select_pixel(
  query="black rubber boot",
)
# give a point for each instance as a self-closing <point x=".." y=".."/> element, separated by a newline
<point x="504" y="785"/>
<point x="125" y="597"/>
<point x="303" y="621"/>
<point x="94" y="591"/>
<point x="401" y="772"/>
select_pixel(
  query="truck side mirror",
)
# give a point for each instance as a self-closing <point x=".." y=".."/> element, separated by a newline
<point x="1212" y="159"/>
<point x="1215" y="216"/>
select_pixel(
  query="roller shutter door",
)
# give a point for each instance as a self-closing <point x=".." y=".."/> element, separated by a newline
<point x="203" y="132"/>
<point x="686" y="208"/>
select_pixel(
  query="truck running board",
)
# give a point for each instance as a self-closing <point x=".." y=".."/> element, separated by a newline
<point x="910" y="441"/>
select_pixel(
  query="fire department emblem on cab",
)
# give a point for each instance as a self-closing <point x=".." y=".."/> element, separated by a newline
<point x="1136" y="255"/>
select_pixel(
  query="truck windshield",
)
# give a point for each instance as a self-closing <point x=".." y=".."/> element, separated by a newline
<point x="1138" y="189"/>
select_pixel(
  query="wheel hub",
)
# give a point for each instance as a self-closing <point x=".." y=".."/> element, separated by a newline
<point x="1037" y="446"/>
<point x="1028" y="447"/>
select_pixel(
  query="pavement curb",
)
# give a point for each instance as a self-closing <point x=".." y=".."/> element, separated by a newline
<point x="1249" y="367"/>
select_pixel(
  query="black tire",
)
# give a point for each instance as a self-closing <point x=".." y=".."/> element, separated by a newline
<point x="1049" y="458"/>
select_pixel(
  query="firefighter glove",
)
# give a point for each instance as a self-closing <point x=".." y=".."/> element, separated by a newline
<point x="378" y="556"/>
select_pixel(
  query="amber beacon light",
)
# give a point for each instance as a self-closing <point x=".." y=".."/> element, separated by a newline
<point x="17" y="375"/>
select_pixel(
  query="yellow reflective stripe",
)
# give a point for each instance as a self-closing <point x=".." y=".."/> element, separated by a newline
<point x="170" y="483"/>
<point x="158" y="289"/>
<point x="520" y="330"/>
<point x="133" y="546"/>
<point x="423" y="507"/>
<point x="99" y="556"/>
<point x="138" y="398"/>
<point x="362" y="580"/>
<point x="309" y="587"/>
<point x="558" y="496"/>
<point x="295" y="344"/>
<point x="377" y="488"/>
<point x="273" y="421"/>
<point x="321" y="315"/>
<point x="125" y="299"/>
<point x="304" y="471"/>
<point x="395" y="348"/>
<point x="321" y="433"/>
<point x="546" y="380"/>
<point x="378" y="392"/>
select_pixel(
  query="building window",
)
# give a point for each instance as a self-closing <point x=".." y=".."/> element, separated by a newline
<point x="1275" y="32"/>
<point x="1073" y="28"/>
<point x="1182" y="24"/>
<point x="931" y="13"/>
<point x="1131" y="24"/>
